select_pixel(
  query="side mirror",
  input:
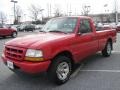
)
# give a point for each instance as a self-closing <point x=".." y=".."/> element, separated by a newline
<point x="78" y="34"/>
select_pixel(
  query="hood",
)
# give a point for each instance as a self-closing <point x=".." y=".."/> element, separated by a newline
<point x="36" y="39"/>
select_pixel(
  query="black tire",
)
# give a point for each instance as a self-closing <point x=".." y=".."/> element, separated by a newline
<point x="17" y="72"/>
<point x="106" y="52"/>
<point x="14" y="34"/>
<point x="3" y="36"/>
<point x="53" y="71"/>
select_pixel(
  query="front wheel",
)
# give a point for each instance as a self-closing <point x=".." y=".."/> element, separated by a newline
<point x="107" y="50"/>
<point x="60" y="70"/>
<point x="14" y="34"/>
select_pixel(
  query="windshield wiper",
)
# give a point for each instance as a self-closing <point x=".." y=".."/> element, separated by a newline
<point x="57" y="31"/>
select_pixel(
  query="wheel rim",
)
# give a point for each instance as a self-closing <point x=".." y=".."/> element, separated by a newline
<point x="62" y="70"/>
<point x="14" y="34"/>
<point x="109" y="48"/>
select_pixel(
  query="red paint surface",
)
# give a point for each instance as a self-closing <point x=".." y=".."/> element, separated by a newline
<point x="79" y="45"/>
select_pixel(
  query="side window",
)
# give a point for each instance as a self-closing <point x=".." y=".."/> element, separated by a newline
<point x="85" y="26"/>
<point x="1" y="26"/>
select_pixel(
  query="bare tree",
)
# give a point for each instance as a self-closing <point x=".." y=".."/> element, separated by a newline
<point x="35" y="11"/>
<point x="2" y="18"/>
<point x="57" y="12"/>
<point x="85" y="10"/>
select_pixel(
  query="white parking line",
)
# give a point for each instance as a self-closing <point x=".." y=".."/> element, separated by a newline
<point x="113" y="71"/>
<point x="77" y="70"/>
<point x="80" y="70"/>
<point x="118" y="52"/>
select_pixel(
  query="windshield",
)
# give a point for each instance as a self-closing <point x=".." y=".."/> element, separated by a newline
<point x="65" y="25"/>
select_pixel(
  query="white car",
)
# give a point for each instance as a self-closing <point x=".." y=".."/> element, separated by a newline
<point x="39" y="26"/>
<point x="113" y="25"/>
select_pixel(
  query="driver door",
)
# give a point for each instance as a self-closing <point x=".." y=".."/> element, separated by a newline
<point x="86" y="41"/>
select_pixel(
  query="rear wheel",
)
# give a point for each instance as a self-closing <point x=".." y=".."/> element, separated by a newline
<point x="60" y="70"/>
<point x="14" y="34"/>
<point x="107" y="50"/>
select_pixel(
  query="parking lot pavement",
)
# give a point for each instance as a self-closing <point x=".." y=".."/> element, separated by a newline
<point x="117" y="45"/>
<point x="97" y="73"/>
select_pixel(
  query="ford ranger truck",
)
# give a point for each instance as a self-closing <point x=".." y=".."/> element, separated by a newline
<point x="62" y="42"/>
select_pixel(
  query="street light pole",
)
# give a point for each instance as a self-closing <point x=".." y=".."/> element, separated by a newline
<point x="116" y="12"/>
<point x="25" y="17"/>
<point x="70" y="13"/>
<point x="14" y="8"/>
<point x="42" y="14"/>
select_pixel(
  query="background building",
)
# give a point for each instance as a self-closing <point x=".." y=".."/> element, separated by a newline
<point x="105" y="18"/>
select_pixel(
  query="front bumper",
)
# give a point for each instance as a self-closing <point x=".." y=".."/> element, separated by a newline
<point x="29" y="67"/>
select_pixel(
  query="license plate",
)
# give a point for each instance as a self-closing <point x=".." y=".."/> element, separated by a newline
<point x="10" y="65"/>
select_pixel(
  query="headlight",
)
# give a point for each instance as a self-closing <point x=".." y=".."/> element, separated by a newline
<point x="34" y="55"/>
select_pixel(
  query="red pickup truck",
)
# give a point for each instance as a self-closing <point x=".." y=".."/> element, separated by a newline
<point x="7" y="31"/>
<point x="62" y="42"/>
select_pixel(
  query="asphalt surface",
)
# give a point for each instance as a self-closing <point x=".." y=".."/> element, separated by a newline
<point x="97" y="73"/>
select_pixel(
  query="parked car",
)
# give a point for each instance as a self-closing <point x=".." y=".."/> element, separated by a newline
<point x="39" y="26"/>
<point x="98" y="26"/>
<point x="16" y="27"/>
<point x="118" y="27"/>
<point x="64" y="42"/>
<point x="106" y="27"/>
<point x="21" y="27"/>
<point x="7" y="31"/>
<point x="29" y="27"/>
<point x="113" y="25"/>
<point x="26" y="27"/>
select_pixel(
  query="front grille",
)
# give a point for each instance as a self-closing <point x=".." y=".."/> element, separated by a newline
<point x="14" y="53"/>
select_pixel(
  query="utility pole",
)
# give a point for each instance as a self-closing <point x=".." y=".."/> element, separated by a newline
<point x="116" y="11"/>
<point x="14" y="8"/>
<point x="11" y="16"/>
<point x="25" y="17"/>
<point x="70" y="13"/>
<point x="42" y="13"/>
<point x="67" y="10"/>
<point x="75" y="12"/>
<point x="49" y="9"/>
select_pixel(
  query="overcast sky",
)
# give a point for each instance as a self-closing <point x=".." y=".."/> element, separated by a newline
<point x="97" y="6"/>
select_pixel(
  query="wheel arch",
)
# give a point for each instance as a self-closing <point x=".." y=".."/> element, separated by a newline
<point x="110" y="40"/>
<point x="63" y="53"/>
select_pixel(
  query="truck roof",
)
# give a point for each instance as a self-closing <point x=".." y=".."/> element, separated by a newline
<point x="76" y="17"/>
